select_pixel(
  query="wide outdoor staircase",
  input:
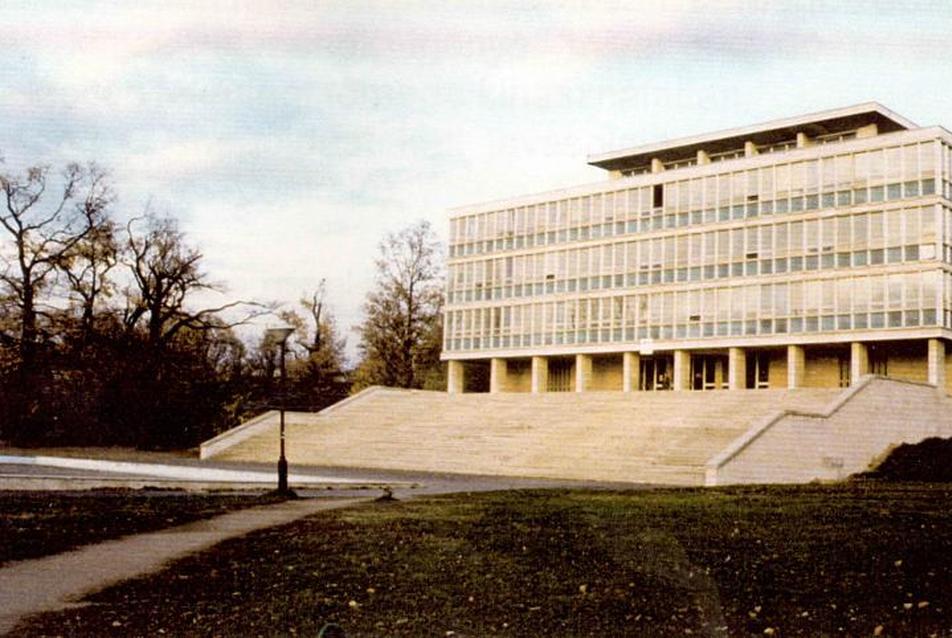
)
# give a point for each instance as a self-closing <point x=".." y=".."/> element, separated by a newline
<point x="642" y="437"/>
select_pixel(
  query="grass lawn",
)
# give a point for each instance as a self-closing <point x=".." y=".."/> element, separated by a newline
<point x="34" y="524"/>
<point x="853" y="559"/>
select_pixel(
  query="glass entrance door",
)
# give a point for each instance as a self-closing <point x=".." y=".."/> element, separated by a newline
<point x="655" y="373"/>
<point x="561" y="372"/>
<point x="758" y="370"/>
<point x="708" y="372"/>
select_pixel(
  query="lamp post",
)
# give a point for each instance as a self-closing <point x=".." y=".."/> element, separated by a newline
<point x="280" y="336"/>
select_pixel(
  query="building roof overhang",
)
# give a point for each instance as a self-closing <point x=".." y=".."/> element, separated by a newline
<point x="773" y="132"/>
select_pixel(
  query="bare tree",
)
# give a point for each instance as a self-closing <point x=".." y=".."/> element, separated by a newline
<point x="318" y="332"/>
<point x="166" y="272"/>
<point x="161" y="370"/>
<point x="44" y="223"/>
<point x="402" y="309"/>
<point x="314" y="304"/>
<point x="316" y="367"/>
<point x="188" y="354"/>
<point x="86" y="268"/>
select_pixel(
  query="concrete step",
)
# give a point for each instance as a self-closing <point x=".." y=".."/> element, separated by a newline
<point x="639" y="437"/>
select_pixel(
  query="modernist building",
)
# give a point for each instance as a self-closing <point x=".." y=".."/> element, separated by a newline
<point x="806" y="252"/>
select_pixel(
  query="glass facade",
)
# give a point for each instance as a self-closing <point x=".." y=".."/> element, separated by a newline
<point x="836" y="237"/>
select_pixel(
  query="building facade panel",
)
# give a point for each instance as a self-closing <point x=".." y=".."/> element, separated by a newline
<point x="786" y="245"/>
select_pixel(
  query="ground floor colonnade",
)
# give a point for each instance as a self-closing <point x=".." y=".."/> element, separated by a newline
<point x="780" y="366"/>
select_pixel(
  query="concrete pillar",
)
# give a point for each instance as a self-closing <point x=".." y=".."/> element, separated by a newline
<point x="750" y="149"/>
<point x="736" y="369"/>
<point x="540" y="374"/>
<point x="859" y="361"/>
<point x="614" y="175"/>
<point x="796" y="366"/>
<point x="631" y="371"/>
<point x="498" y="373"/>
<point x="703" y="158"/>
<point x="718" y="374"/>
<point x="803" y="141"/>
<point x="870" y="130"/>
<point x="682" y="370"/>
<point x="583" y="372"/>
<point x="455" y="378"/>
<point x="937" y="363"/>
<point x="656" y="165"/>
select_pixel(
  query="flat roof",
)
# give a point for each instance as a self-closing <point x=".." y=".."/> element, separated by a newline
<point x="772" y="132"/>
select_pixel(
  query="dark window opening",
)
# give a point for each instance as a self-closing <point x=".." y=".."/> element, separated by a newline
<point x="658" y="200"/>
<point x="844" y="364"/>
<point x="758" y="370"/>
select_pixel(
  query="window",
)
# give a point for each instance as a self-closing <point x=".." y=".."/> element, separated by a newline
<point x="658" y="196"/>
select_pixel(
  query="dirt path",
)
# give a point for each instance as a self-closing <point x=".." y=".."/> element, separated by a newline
<point x="55" y="582"/>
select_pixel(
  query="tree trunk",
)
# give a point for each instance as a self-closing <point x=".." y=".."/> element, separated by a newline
<point x="28" y="329"/>
<point x="408" y="339"/>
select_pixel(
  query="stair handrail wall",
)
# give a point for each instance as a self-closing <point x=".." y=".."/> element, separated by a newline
<point x="267" y="420"/>
<point x="246" y="430"/>
<point x="717" y="464"/>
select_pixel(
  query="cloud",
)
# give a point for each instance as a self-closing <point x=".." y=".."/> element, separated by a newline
<point x="290" y="136"/>
<point x="185" y="158"/>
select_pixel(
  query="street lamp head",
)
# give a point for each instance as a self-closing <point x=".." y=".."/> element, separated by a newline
<point x="279" y="335"/>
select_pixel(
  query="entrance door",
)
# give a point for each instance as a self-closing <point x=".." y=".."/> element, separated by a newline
<point x="707" y="372"/>
<point x="560" y="375"/>
<point x="878" y="362"/>
<point x="654" y="374"/>
<point x="758" y="370"/>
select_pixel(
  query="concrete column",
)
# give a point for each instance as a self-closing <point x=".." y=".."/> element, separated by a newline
<point x="455" y="378"/>
<point x="614" y="175"/>
<point x="718" y="374"/>
<point x="703" y="158"/>
<point x="859" y="361"/>
<point x="656" y="165"/>
<point x="870" y="130"/>
<point x="796" y="366"/>
<point x="631" y="371"/>
<point x="803" y="141"/>
<point x="682" y="370"/>
<point x="583" y="372"/>
<point x="937" y="363"/>
<point x="736" y="369"/>
<point x="750" y="149"/>
<point x="498" y="373"/>
<point x="540" y="374"/>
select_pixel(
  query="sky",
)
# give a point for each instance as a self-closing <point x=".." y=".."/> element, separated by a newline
<point x="289" y="137"/>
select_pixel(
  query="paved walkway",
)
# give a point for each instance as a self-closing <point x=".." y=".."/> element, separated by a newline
<point x="207" y="472"/>
<point x="55" y="582"/>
